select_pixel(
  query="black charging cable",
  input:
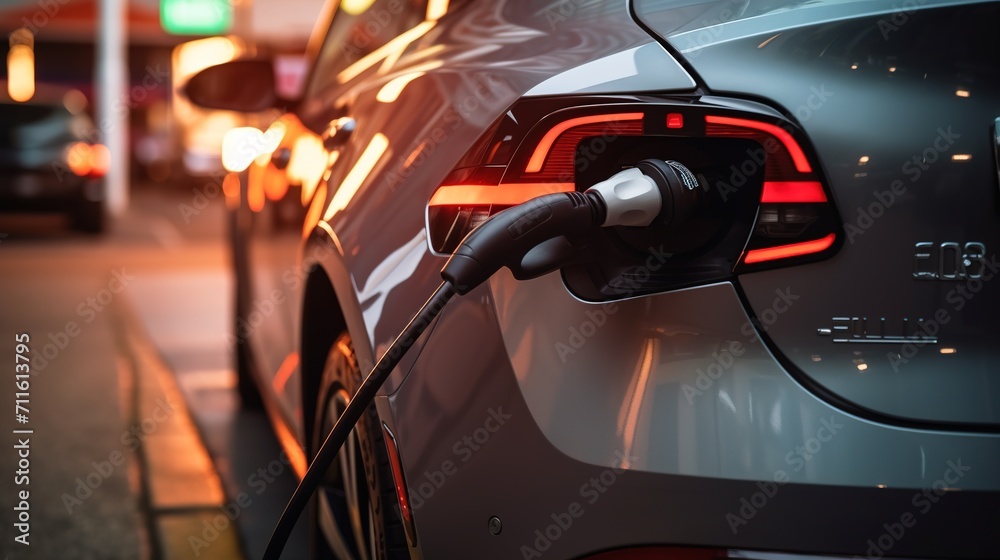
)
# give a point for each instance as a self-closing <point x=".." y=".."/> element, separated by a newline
<point x="531" y="239"/>
<point x="342" y="429"/>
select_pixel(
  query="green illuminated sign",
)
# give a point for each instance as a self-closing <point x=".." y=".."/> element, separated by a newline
<point x="196" y="17"/>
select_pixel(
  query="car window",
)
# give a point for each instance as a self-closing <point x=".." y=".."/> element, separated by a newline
<point x="358" y="28"/>
<point x="14" y="115"/>
<point x="31" y="125"/>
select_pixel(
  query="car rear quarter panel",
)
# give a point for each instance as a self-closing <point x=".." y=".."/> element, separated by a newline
<point x="491" y="54"/>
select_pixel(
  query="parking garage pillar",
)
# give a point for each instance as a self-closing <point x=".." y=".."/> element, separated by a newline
<point x="112" y="100"/>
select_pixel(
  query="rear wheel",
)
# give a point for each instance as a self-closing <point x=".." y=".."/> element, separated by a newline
<point x="249" y="394"/>
<point x="245" y="385"/>
<point x="355" y="515"/>
<point x="89" y="216"/>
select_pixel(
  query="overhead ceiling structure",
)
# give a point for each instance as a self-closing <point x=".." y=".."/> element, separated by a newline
<point x="279" y="22"/>
<point x="76" y="20"/>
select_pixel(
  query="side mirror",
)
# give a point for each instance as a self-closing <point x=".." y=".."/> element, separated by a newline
<point x="247" y="86"/>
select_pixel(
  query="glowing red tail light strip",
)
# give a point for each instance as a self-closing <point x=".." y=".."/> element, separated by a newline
<point x="794" y="150"/>
<point x="541" y="153"/>
<point x="506" y="194"/>
<point x="792" y="191"/>
<point x="793" y="250"/>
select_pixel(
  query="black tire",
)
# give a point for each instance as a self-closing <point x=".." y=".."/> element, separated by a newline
<point x="381" y="532"/>
<point x="89" y="216"/>
<point x="246" y="387"/>
<point x="245" y="384"/>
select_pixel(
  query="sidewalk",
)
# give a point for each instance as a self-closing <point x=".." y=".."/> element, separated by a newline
<point x="186" y="310"/>
<point x="118" y="462"/>
<point x="181" y="492"/>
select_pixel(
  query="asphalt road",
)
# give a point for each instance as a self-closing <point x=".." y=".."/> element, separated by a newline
<point x="138" y="447"/>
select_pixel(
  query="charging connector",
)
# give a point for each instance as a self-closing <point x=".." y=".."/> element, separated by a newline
<point x="521" y="239"/>
<point x="545" y="233"/>
<point x="632" y="198"/>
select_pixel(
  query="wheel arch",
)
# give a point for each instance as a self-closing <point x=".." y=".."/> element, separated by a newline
<point x="329" y="306"/>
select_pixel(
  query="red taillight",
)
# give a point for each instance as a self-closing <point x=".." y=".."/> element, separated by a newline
<point x="775" y="205"/>
<point x="506" y="195"/>
<point x="792" y="191"/>
<point x="455" y="210"/>
<point x="789" y="180"/>
<point x="78" y="158"/>
<point x="88" y="160"/>
<point x="791" y="250"/>
<point x="100" y="160"/>
<point x="554" y="153"/>
<point x="402" y="496"/>
<point x="470" y="196"/>
<point x="786" y="139"/>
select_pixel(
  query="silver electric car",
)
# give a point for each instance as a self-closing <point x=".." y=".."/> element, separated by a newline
<point x="802" y="365"/>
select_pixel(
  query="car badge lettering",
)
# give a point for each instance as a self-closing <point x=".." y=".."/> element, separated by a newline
<point x="949" y="260"/>
<point x="862" y="330"/>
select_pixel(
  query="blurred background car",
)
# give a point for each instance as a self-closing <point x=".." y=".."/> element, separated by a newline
<point x="789" y="371"/>
<point x="50" y="160"/>
<point x="165" y="142"/>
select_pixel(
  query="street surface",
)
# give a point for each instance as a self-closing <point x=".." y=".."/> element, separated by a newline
<point x="137" y="445"/>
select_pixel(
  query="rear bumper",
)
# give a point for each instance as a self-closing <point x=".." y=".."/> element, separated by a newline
<point x="45" y="192"/>
<point x="553" y="506"/>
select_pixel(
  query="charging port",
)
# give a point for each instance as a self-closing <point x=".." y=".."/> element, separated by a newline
<point x="700" y="241"/>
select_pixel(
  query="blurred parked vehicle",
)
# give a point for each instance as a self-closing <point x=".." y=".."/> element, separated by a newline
<point x="51" y="159"/>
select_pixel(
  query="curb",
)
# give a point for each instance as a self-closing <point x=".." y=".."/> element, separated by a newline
<point x="180" y="490"/>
